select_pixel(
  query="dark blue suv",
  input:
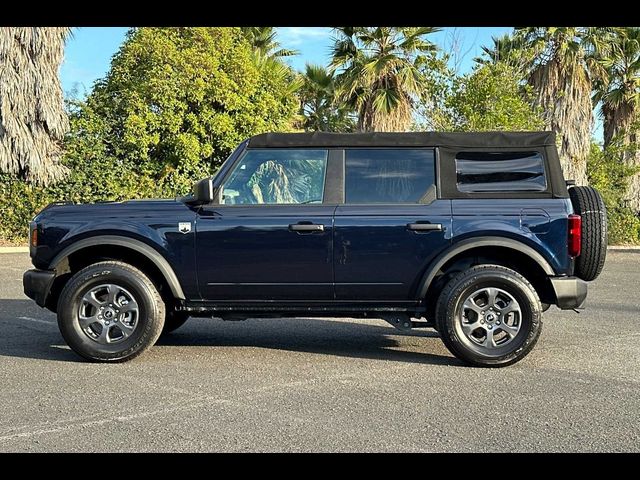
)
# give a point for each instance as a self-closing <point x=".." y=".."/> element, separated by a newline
<point x="473" y="234"/>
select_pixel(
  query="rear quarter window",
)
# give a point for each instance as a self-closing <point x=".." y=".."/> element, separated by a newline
<point x="500" y="172"/>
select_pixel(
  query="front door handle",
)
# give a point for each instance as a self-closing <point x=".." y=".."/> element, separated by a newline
<point x="424" y="227"/>
<point x="306" y="227"/>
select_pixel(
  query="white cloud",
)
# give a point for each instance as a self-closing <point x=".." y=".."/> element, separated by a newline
<point x="292" y="36"/>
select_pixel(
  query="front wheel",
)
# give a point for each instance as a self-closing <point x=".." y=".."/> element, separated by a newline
<point x="489" y="316"/>
<point x="110" y="311"/>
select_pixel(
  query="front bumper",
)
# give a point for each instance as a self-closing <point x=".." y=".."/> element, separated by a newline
<point x="37" y="283"/>
<point x="571" y="292"/>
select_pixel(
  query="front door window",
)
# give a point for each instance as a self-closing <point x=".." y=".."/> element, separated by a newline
<point x="277" y="176"/>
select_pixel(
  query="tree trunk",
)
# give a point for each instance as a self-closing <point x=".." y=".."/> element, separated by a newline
<point x="618" y="122"/>
<point x="632" y="158"/>
<point x="32" y="117"/>
<point x="564" y="94"/>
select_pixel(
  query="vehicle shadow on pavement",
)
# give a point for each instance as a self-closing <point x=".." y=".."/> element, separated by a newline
<point x="354" y="339"/>
<point x="26" y="331"/>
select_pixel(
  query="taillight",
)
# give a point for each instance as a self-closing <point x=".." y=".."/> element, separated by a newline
<point x="575" y="235"/>
<point x="34" y="237"/>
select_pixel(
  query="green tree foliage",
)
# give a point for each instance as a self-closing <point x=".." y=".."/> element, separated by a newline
<point x="610" y="176"/>
<point x="489" y="98"/>
<point x="174" y="104"/>
<point x="177" y="100"/>
<point x="379" y="74"/>
<point x="319" y="110"/>
<point x="617" y="91"/>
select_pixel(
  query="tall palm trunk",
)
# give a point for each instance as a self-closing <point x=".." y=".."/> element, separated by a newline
<point x="617" y="124"/>
<point x="564" y="94"/>
<point x="32" y="117"/>
<point x="371" y="119"/>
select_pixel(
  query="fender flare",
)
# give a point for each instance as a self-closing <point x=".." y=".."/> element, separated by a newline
<point x="131" y="243"/>
<point x="476" y="242"/>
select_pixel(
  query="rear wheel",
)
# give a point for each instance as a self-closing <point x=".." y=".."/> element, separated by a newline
<point x="110" y="311"/>
<point x="588" y="203"/>
<point x="489" y="316"/>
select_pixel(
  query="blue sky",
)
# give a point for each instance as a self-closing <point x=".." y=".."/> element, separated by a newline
<point x="88" y="53"/>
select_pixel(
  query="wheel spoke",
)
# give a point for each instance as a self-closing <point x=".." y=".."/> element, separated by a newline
<point x="105" y="336"/>
<point x="129" y="307"/>
<point x="509" y="330"/>
<point x="512" y="306"/>
<point x="488" y="340"/>
<point x="470" y="304"/>
<point x="86" y="321"/>
<point x="125" y="329"/>
<point x="469" y="328"/>
<point x="90" y="298"/>
<point x="113" y="291"/>
<point x="492" y="295"/>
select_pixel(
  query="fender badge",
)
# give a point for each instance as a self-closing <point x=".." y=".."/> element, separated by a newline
<point x="184" y="227"/>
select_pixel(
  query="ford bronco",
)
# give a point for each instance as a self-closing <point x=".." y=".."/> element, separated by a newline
<point x="473" y="234"/>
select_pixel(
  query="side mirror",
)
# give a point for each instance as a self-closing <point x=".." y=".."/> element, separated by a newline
<point x="204" y="192"/>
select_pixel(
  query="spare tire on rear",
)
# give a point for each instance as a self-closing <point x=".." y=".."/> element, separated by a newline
<point x="588" y="203"/>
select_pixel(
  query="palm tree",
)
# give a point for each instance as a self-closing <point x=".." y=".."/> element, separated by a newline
<point x="508" y="49"/>
<point x="263" y="41"/>
<point x="379" y="73"/>
<point x="268" y="56"/>
<point x="318" y="108"/>
<point x="562" y="86"/>
<point x="32" y="117"/>
<point x="618" y="93"/>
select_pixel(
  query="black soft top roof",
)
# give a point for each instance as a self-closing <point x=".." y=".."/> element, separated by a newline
<point x="409" y="139"/>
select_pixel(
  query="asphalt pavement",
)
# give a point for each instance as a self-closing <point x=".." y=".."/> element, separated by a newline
<point x="325" y="384"/>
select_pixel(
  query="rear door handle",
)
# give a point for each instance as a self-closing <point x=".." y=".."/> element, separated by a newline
<point x="424" y="227"/>
<point x="306" y="227"/>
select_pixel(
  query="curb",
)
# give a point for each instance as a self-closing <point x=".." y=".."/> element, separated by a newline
<point x="623" y="248"/>
<point x="14" y="249"/>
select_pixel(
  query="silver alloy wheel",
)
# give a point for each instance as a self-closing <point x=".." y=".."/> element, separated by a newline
<point x="108" y="314"/>
<point x="490" y="318"/>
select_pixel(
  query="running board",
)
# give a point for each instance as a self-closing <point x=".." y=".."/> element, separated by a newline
<point x="275" y="309"/>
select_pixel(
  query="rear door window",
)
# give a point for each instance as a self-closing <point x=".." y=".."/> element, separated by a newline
<point x="500" y="172"/>
<point x="389" y="175"/>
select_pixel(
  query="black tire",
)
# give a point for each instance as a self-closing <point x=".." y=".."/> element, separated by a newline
<point x="173" y="321"/>
<point x="149" y="317"/>
<point x="588" y="203"/>
<point x="449" y="316"/>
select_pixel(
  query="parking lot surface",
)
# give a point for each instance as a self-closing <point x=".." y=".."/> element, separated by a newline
<point x="325" y="384"/>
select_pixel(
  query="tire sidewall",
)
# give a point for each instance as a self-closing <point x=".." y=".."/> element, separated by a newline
<point x="148" y="313"/>
<point x="449" y="312"/>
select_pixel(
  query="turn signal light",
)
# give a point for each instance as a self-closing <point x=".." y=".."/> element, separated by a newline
<point x="34" y="237"/>
<point x="575" y="235"/>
